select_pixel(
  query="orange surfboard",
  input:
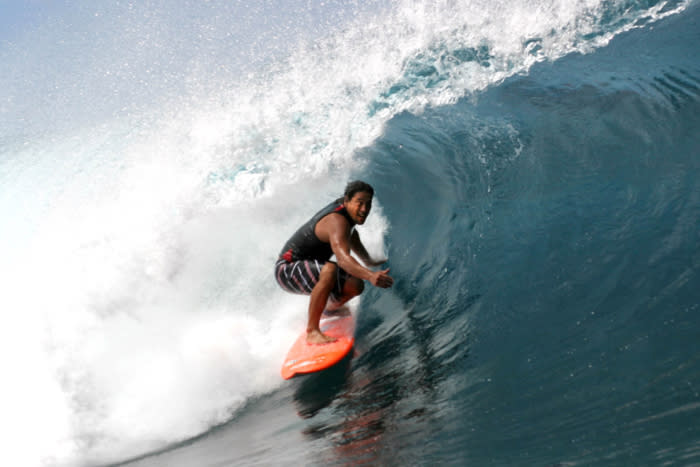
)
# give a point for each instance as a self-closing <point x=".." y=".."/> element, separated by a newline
<point x="307" y="358"/>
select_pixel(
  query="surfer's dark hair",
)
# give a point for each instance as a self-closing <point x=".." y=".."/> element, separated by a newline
<point x="356" y="187"/>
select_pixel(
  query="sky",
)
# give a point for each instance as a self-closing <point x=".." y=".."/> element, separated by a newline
<point x="22" y="15"/>
<point x="19" y="15"/>
<point x="86" y="60"/>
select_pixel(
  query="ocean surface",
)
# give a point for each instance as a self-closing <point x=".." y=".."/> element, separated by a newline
<point x="536" y="166"/>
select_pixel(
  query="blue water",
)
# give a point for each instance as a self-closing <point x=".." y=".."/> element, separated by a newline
<point x="535" y="167"/>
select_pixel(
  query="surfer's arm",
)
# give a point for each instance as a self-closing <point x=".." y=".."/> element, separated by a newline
<point x="341" y="248"/>
<point x="334" y="229"/>
<point x="357" y="246"/>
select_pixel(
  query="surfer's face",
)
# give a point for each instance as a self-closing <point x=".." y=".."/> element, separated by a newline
<point x="358" y="206"/>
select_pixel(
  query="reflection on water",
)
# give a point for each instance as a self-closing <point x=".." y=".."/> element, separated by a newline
<point x="318" y="390"/>
<point x="358" y="405"/>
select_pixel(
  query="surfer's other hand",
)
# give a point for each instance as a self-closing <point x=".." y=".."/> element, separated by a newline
<point x="382" y="279"/>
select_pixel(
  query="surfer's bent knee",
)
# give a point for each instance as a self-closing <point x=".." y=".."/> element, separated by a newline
<point x="356" y="286"/>
<point x="329" y="268"/>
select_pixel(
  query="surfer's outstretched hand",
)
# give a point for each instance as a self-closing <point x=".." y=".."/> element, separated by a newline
<point x="382" y="279"/>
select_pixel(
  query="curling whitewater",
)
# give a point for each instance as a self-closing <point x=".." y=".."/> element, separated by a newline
<point x="509" y="193"/>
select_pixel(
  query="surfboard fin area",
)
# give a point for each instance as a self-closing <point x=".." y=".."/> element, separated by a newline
<point x="304" y="358"/>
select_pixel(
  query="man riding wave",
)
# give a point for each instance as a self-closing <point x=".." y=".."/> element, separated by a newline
<point x="304" y="264"/>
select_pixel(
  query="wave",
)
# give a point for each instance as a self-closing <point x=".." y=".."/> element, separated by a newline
<point x="141" y="252"/>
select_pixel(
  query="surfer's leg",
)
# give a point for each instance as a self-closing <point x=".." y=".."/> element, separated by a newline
<point x="319" y="297"/>
<point x="351" y="288"/>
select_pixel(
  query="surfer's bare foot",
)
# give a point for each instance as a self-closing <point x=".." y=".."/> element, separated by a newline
<point x="317" y="337"/>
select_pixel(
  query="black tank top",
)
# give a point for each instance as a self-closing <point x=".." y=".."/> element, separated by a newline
<point x="304" y="244"/>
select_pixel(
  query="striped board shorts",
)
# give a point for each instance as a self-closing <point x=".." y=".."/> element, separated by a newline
<point x="300" y="277"/>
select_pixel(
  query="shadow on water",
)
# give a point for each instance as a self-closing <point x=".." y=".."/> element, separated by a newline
<point x="387" y="395"/>
<point x="317" y="391"/>
<point x="354" y="421"/>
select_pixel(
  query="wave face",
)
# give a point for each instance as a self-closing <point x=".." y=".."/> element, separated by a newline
<point x="535" y="166"/>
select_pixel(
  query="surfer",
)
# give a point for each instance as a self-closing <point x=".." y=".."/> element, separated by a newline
<point x="304" y="264"/>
